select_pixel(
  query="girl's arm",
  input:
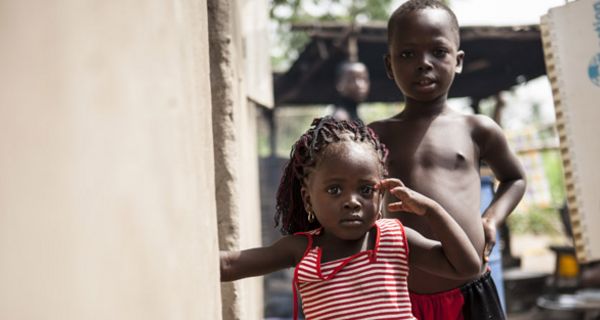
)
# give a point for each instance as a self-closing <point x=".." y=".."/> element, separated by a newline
<point x="453" y="256"/>
<point x="259" y="261"/>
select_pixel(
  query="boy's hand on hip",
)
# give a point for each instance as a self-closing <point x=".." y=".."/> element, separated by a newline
<point x="489" y="231"/>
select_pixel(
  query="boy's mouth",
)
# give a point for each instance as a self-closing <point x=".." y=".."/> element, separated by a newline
<point x="424" y="82"/>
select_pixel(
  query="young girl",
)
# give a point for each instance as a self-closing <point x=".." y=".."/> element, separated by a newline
<point x="349" y="263"/>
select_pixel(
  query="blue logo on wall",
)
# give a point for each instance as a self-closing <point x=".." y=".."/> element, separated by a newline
<point x="594" y="69"/>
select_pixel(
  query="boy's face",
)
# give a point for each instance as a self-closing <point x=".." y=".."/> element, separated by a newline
<point x="423" y="54"/>
<point x="354" y="82"/>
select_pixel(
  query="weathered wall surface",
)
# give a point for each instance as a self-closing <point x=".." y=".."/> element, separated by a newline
<point x="236" y="161"/>
<point x="107" y="203"/>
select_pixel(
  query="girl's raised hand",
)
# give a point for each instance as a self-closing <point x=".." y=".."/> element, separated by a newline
<point x="410" y="200"/>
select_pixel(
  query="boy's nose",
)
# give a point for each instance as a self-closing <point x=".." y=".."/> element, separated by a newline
<point x="425" y="63"/>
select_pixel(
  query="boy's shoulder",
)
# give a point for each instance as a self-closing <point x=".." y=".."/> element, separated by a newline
<point x="481" y="128"/>
<point x="382" y="122"/>
<point x="484" y="128"/>
<point x="383" y="125"/>
<point x="481" y="121"/>
<point x="476" y="121"/>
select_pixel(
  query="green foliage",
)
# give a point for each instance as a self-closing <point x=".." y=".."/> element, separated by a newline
<point x="293" y="122"/>
<point x="290" y="11"/>
<point x="538" y="221"/>
<point x="554" y="174"/>
<point x="284" y="13"/>
<point x="369" y="112"/>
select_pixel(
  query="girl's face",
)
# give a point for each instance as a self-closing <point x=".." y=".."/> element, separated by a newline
<point x="340" y="189"/>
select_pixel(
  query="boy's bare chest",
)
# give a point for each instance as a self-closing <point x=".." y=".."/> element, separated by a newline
<point x="436" y="147"/>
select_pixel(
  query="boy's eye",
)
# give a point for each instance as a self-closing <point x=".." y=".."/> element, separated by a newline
<point x="406" y="54"/>
<point x="440" y="53"/>
<point x="335" y="190"/>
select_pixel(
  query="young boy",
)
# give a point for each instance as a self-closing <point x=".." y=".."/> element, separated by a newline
<point x="437" y="152"/>
<point x="352" y="85"/>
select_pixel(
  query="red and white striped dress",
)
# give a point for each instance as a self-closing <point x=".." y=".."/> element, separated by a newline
<point x="371" y="284"/>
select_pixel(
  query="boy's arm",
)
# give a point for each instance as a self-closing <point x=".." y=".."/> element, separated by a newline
<point x="259" y="261"/>
<point x="453" y="256"/>
<point x="495" y="151"/>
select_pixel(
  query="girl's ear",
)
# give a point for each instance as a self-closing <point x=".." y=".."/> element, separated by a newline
<point x="388" y="66"/>
<point x="460" y="55"/>
<point x="305" y="197"/>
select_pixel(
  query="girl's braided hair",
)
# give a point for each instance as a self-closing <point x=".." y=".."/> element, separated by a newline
<point x="290" y="212"/>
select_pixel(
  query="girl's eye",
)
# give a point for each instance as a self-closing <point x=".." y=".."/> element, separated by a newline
<point x="335" y="190"/>
<point x="367" y="190"/>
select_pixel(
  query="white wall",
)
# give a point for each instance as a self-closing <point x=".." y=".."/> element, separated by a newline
<point x="107" y="204"/>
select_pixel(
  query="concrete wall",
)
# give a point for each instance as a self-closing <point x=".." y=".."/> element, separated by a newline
<point x="106" y="168"/>
<point x="236" y="161"/>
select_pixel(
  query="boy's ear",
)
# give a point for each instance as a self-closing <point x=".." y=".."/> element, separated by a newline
<point x="388" y="66"/>
<point x="460" y="55"/>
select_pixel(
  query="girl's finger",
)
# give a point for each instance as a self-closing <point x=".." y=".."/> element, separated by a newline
<point x="398" y="191"/>
<point x="391" y="183"/>
<point x="396" y="206"/>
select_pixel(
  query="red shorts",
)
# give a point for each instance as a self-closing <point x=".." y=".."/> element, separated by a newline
<point x="438" y="306"/>
<point x="475" y="300"/>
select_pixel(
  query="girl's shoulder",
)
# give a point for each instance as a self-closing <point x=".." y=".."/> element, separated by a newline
<point x="295" y="245"/>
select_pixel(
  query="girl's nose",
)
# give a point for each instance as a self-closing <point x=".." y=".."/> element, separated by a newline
<point x="352" y="203"/>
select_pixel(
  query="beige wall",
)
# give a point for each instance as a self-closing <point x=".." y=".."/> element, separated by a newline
<point x="236" y="160"/>
<point x="106" y="168"/>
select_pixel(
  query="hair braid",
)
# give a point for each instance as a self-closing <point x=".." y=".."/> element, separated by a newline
<point x="290" y="212"/>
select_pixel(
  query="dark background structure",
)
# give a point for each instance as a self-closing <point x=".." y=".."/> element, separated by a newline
<point x="496" y="59"/>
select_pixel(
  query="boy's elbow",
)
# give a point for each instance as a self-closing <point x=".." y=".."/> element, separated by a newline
<point x="519" y="186"/>
<point x="523" y="184"/>
<point x="521" y="180"/>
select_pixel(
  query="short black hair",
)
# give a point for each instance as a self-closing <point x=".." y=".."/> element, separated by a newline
<point x="414" y="5"/>
<point x="346" y="65"/>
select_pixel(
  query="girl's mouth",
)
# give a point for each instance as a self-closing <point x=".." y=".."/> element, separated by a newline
<point x="353" y="221"/>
